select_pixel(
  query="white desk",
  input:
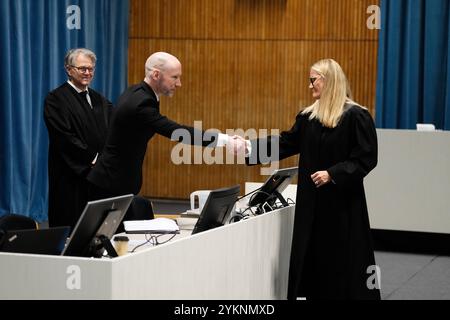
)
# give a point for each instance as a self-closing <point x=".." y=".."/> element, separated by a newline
<point x="409" y="190"/>
<point x="244" y="260"/>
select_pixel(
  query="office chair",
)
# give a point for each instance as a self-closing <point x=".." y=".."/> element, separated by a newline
<point x="12" y="221"/>
<point x="140" y="209"/>
<point x="17" y="222"/>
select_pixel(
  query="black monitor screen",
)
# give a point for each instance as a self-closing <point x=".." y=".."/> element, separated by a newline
<point x="41" y="241"/>
<point x="273" y="187"/>
<point x="100" y="219"/>
<point x="217" y="209"/>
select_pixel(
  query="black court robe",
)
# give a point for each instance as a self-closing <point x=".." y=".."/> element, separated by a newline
<point x="76" y="134"/>
<point x="332" y="246"/>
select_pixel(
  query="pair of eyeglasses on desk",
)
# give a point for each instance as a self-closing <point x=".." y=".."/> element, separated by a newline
<point x="153" y="239"/>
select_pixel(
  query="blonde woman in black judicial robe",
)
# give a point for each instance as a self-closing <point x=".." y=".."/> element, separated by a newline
<point x="336" y="139"/>
<point x="77" y="118"/>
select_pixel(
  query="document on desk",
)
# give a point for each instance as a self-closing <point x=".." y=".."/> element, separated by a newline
<point x="158" y="225"/>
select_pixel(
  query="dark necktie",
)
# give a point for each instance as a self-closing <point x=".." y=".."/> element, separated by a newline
<point x="83" y="95"/>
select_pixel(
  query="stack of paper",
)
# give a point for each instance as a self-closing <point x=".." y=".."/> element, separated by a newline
<point x="158" y="225"/>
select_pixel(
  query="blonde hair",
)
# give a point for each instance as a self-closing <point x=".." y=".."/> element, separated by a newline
<point x="335" y="94"/>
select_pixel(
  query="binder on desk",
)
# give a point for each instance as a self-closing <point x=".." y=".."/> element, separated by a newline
<point x="155" y="226"/>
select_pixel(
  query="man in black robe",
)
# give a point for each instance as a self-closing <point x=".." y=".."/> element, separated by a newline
<point x="77" y="118"/>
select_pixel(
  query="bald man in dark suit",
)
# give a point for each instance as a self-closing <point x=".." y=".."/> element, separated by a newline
<point x="135" y="121"/>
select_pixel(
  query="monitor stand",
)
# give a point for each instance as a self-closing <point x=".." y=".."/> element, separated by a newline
<point x="281" y="198"/>
<point x="99" y="244"/>
<point x="275" y="194"/>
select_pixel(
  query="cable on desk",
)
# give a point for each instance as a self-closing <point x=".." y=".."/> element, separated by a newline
<point x="153" y="240"/>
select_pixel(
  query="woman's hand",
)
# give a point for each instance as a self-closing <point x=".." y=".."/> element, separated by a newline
<point x="320" y="178"/>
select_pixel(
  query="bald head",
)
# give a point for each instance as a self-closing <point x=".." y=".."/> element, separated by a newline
<point x="163" y="73"/>
<point x="160" y="61"/>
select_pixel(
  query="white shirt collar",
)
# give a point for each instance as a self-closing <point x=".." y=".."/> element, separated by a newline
<point x="157" y="97"/>
<point x="73" y="86"/>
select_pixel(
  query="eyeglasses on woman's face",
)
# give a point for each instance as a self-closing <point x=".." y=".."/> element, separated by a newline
<point x="312" y="80"/>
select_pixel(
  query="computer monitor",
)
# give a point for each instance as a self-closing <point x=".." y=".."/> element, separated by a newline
<point x="272" y="189"/>
<point x="36" y="241"/>
<point x="217" y="209"/>
<point x="97" y="224"/>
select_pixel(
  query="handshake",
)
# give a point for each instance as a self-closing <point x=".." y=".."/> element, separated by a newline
<point x="237" y="145"/>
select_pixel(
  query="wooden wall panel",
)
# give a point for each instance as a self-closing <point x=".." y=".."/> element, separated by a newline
<point x="245" y="65"/>
<point x="251" y="19"/>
